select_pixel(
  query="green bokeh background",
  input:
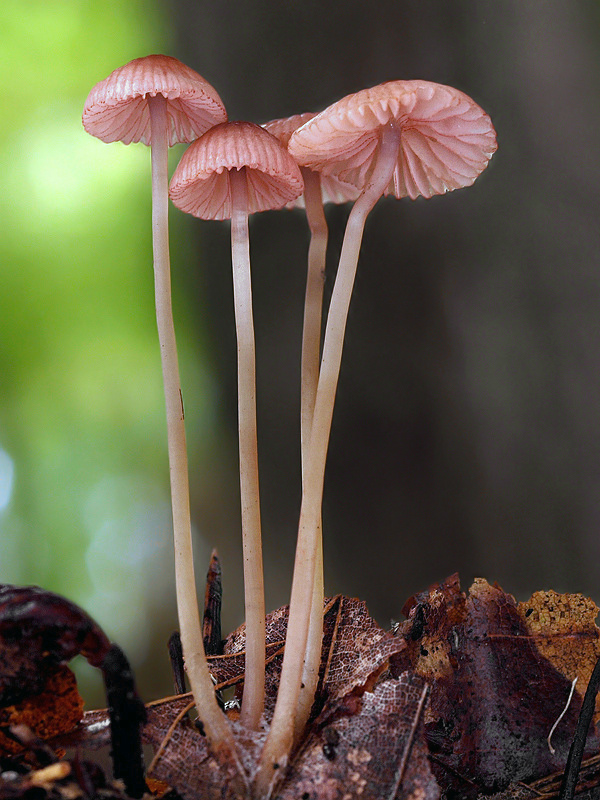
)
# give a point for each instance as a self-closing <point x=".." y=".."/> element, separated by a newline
<point x="84" y="504"/>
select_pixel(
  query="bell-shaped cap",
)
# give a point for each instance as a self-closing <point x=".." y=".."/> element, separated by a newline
<point x="333" y="190"/>
<point x="117" y="110"/>
<point x="446" y="138"/>
<point x="200" y="184"/>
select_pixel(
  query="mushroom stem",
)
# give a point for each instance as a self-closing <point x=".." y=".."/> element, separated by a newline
<point x="313" y="303"/>
<point x="311" y="354"/>
<point x="215" y="724"/>
<point x="254" y="679"/>
<point x="279" y="741"/>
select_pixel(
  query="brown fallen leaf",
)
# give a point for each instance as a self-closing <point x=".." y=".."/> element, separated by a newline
<point x="64" y="779"/>
<point x="55" y="710"/>
<point x="355" y="650"/>
<point x="563" y="627"/>
<point x="499" y="674"/>
<point x="378" y="752"/>
<point x="495" y="695"/>
<point x="40" y="630"/>
<point x="356" y="655"/>
<point x="183" y="760"/>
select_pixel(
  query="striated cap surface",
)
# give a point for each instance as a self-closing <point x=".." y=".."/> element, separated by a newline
<point x="117" y="110"/>
<point x="333" y="189"/>
<point x="284" y="127"/>
<point x="200" y="184"/>
<point x="446" y="138"/>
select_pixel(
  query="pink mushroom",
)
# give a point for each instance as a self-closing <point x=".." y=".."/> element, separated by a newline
<point x="403" y="138"/>
<point x="236" y="169"/>
<point x="159" y="101"/>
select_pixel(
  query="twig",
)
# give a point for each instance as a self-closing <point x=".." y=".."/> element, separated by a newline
<point x="567" y="789"/>
<point x="560" y="716"/>
<point x="168" y="735"/>
<point x="211" y="624"/>
<point x="176" y="657"/>
<point x="127" y="714"/>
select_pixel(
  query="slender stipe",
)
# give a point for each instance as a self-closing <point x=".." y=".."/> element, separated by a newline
<point x="254" y="676"/>
<point x="215" y="724"/>
<point x="311" y="356"/>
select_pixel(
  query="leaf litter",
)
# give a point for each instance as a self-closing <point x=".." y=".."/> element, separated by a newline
<point x="460" y="698"/>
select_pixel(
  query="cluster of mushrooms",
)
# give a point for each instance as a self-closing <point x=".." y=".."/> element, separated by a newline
<point x="406" y="138"/>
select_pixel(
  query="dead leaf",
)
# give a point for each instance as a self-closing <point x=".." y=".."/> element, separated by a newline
<point x="183" y="759"/>
<point x="356" y="653"/>
<point x="67" y="779"/>
<point x="379" y="752"/>
<point x="495" y="696"/>
<point x="499" y="672"/>
<point x="54" y="711"/>
<point x="355" y="649"/>
<point x="563" y="627"/>
<point x="38" y="631"/>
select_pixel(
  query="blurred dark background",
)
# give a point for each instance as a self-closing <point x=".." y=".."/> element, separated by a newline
<point x="466" y="434"/>
<point x="466" y="431"/>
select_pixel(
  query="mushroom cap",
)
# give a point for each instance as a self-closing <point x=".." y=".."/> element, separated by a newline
<point x="116" y="109"/>
<point x="200" y="184"/>
<point x="284" y="127"/>
<point x="333" y="189"/>
<point x="446" y="138"/>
